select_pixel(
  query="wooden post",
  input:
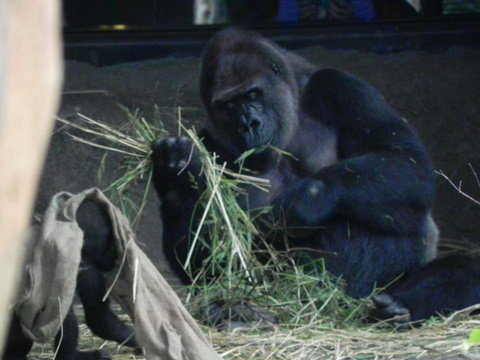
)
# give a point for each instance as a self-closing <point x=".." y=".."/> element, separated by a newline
<point x="31" y="71"/>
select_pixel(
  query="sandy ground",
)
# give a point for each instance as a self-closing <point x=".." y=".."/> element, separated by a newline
<point x="437" y="92"/>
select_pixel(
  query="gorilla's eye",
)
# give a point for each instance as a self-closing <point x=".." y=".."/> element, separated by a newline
<point x="228" y="105"/>
<point x="253" y="95"/>
<point x="276" y="69"/>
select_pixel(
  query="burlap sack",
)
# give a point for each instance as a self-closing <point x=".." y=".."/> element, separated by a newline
<point x="163" y="327"/>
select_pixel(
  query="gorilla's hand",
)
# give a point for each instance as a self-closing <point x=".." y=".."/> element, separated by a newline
<point x="176" y="165"/>
<point x="308" y="203"/>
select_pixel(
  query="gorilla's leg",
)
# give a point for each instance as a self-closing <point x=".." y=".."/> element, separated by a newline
<point x="443" y="285"/>
<point x="365" y="259"/>
<point x="67" y="339"/>
<point x="98" y="315"/>
<point x="18" y="345"/>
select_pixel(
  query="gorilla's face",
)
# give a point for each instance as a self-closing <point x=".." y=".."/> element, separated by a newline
<point x="250" y="106"/>
<point x="246" y="116"/>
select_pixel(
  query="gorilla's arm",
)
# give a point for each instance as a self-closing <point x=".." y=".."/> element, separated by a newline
<point x="176" y="169"/>
<point x="382" y="179"/>
<point x="368" y="189"/>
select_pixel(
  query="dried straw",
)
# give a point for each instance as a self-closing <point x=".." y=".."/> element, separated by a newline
<point x="441" y="339"/>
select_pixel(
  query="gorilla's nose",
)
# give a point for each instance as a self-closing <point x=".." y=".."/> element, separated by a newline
<point x="250" y="124"/>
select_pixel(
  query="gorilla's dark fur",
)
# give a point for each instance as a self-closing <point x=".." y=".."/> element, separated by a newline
<point x="98" y="255"/>
<point x="357" y="175"/>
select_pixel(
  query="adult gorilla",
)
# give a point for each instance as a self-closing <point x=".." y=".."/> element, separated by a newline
<point x="356" y="175"/>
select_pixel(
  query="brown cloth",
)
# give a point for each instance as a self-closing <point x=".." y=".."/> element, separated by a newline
<point x="163" y="327"/>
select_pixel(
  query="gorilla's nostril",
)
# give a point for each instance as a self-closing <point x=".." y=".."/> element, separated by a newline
<point x="255" y="123"/>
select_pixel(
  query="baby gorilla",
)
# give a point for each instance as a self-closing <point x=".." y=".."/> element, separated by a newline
<point x="98" y="255"/>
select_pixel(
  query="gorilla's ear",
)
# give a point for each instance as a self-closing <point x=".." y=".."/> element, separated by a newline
<point x="276" y="68"/>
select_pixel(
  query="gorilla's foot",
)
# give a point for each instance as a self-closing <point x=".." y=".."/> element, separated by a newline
<point x="392" y="310"/>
